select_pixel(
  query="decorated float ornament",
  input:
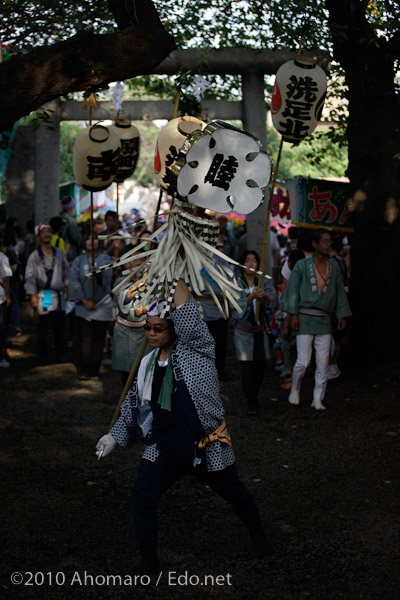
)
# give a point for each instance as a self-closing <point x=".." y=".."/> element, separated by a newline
<point x="298" y="97"/>
<point x="95" y="157"/>
<point x="129" y="137"/>
<point x="168" y="145"/>
<point x="223" y="168"/>
<point x="196" y="236"/>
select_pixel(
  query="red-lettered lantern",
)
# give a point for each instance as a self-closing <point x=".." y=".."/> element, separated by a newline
<point x="298" y="98"/>
<point x="129" y="137"/>
<point x="95" y="157"/>
<point x="169" y="142"/>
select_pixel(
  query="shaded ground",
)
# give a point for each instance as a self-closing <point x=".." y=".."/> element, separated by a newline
<point x="327" y="485"/>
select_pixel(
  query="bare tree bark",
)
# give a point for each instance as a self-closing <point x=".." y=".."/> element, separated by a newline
<point x="84" y="61"/>
<point x="374" y="171"/>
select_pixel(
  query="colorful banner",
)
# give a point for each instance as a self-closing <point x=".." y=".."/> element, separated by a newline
<point x="319" y="203"/>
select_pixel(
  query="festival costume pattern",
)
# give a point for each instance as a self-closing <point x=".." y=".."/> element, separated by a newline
<point x="193" y="362"/>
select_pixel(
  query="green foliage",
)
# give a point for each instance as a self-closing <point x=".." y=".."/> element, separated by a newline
<point x="144" y="173"/>
<point x="317" y="156"/>
<point x="26" y="24"/>
<point x="196" y="23"/>
<point x="162" y="87"/>
<point x="260" y="24"/>
<point x="68" y="133"/>
<point x="41" y="117"/>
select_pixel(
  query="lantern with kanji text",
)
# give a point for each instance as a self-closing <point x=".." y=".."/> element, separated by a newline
<point x="167" y="152"/>
<point x="129" y="137"/>
<point x="297" y="98"/>
<point x="95" y="157"/>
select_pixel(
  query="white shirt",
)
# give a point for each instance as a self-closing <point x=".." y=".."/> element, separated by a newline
<point x="5" y="271"/>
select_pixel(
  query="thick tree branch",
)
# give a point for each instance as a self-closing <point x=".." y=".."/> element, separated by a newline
<point x="131" y="12"/>
<point x="84" y="61"/>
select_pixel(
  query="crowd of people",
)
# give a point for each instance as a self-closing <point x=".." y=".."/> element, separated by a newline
<point x="173" y="402"/>
<point x="302" y="305"/>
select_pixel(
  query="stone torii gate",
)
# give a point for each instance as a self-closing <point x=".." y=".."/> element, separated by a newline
<point x="32" y="178"/>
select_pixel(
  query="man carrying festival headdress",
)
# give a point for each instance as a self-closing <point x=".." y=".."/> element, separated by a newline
<point x="174" y="407"/>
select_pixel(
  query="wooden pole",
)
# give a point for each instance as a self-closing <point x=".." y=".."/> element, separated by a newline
<point x="266" y="228"/>
<point x="176" y="105"/>
<point x="141" y="350"/>
<point x="116" y="250"/>
<point x="131" y="376"/>
<point x="117" y="207"/>
<point x="93" y="281"/>
<point x="139" y="355"/>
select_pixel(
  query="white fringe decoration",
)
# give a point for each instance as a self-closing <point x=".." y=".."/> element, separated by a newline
<point x="185" y="251"/>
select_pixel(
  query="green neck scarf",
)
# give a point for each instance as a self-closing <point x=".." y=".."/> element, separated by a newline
<point x="164" y="399"/>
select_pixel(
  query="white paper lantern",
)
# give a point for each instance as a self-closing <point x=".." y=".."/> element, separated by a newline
<point x="95" y="157"/>
<point x="225" y="170"/>
<point x="298" y="98"/>
<point x="168" y="145"/>
<point x="129" y="137"/>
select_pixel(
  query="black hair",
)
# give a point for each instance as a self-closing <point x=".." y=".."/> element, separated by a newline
<point x="9" y="237"/>
<point x="316" y="234"/>
<point x="294" y="256"/>
<point x="304" y="240"/>
<point x="56" y="223"/>
<point x="11" y="223"/>
<point x="30" y="226"/>
<point x="111" y="213"/>
<point x="245" y="255"/>
<point x="336" y="242"/>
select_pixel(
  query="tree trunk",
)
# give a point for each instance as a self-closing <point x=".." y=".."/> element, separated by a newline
<point x="374" y="141"/>
<point x="84" y="61"/>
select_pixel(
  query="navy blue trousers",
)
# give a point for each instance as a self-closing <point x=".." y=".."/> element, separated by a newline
<point x="92" y="335"/>
<point x="54" y="320"/>
<point x="153" y="478"/>
<point x="252" y="379"/>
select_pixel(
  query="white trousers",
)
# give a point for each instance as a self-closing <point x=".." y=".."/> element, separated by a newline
<point x="304" y="344"/>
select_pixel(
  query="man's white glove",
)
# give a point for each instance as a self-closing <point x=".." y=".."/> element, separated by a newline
<point x="105" y="445"/>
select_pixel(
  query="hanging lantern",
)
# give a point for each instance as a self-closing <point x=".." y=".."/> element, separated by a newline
<point x="129" y="137"/>
<point x="168" y="145"/>
<point x="95" y="157"/>
<point x="224" y="169"/>
<point x="298" y="98"/>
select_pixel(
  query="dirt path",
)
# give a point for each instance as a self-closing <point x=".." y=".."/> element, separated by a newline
<point x="327" y="485"/>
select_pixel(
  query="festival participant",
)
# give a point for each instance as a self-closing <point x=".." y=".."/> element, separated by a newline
<point x="113" y="247"/>
<point x="5" y="299"/>
<point x="92" y="317"/>
<point x="226" y="236"/>
<point x="288" y="336"/>
<point x="70" y="233"/>
<point x="217" y="325"/>
<point x="250" y="336"/>
<point x="46" y="279"/>
<point x="339" y="336"/>
<point x="314" y="294"/>
<point x="128" y="330"/>
<point x="14" y="316"/>
<point x="175" y="408"/>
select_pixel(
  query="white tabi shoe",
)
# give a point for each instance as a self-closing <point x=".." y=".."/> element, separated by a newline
<point x="317" y="404"/>
<point x="294" y="397"/>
